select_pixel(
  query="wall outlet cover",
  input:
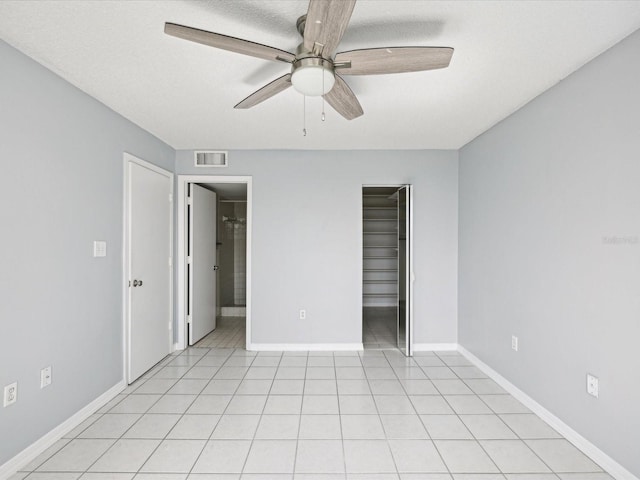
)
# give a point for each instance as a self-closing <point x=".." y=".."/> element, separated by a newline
<point x="10" y="394"/>
<point x="99" y="248"/>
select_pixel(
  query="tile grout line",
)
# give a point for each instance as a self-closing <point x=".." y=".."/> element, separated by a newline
<point x="386" y="440"/>
<point x="142" y="414"/>
<point x="344" y="453"/>
<point x="420" y="419"/>
<point x="181" y="416"/>
<point x="465" y="425"/>
<point x="206" y="442"/>
<point x="244" y="465"/>
<point x="457" y="415"/>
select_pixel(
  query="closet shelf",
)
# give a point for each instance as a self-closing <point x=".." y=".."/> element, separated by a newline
<point x="379" y="217"/>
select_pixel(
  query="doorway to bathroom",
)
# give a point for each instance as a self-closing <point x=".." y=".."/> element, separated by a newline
<point x="214" y="251"/>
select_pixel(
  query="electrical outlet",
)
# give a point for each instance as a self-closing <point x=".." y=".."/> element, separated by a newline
<point x="45" y="377"/>
<point x="10" y="394"/>
<point x="303" y="314"/>
<point x="514" y="342"/>
<point x="593" y="386"/>
<point x="99" y="248"/>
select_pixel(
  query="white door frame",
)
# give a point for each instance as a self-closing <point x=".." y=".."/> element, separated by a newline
<point x="183" y="181"/>
<point x="412" y="276"/>
<point x="127" y="159"/>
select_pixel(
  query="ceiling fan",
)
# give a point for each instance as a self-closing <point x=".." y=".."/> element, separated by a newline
<point x="314" y="68"/>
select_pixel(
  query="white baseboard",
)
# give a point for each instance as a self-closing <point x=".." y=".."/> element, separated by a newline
<point x="434" y="347"/>
<point x="47" y="440"/>
<point x="304" y="347"/>
<point x="594" y="453"/>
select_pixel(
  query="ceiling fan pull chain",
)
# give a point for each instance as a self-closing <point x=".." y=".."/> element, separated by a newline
<point x="304" y="115"/>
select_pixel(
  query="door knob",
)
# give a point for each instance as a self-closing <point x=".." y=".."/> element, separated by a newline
<point x="216" y="267"/>
<point x="137" y="283"/>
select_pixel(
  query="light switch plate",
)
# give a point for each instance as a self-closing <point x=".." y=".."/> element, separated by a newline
<point x="99" y="248"/>
<point x="593" y="387"/>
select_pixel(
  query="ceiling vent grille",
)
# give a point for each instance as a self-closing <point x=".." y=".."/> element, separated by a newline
<point x="210" y="159"/>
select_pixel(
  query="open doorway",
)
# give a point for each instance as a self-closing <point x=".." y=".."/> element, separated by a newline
<point x="387" y="314"/>
<point x="214" y="251"/>
<point x="231" y="262"/>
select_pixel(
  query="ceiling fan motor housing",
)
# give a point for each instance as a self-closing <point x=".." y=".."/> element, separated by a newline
<point x="312" y="76"/>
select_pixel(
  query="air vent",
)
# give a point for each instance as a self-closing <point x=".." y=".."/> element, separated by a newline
<point x="211" y="159"/>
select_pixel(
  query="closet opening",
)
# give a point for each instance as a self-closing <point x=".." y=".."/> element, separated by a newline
<point x="386" y="267"/>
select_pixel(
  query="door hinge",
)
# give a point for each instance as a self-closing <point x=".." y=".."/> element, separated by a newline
<point x="189" y="319"/>
<point x="170" y="326"/>
<point x="189" y="260"/>
<point x="170" y="262"/>
<point x="170" y="197"/>
<point x="189" y="202"/>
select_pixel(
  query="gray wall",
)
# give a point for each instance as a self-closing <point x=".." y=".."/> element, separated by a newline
<point x="549" y="249"/>
<point x="307" y="239"/>
<point x="61" y="154"/>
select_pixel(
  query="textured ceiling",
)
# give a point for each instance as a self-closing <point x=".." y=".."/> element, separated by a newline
<point x="506" y="53"/>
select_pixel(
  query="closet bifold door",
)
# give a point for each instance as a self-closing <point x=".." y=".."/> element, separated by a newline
<point x="404" y="270"/>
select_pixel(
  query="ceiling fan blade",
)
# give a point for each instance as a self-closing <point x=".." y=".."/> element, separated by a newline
<point x="326" y="22"/>
<point x="343" y="100"/>
<point x="266" y="92"/>
<point x="375" y="61"/>
<point x="225" y="42"/>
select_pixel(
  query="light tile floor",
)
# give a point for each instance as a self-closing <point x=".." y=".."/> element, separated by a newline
<point x="228" y="414"/>
<point x="378" y="330"/>
<point x="379" y="327"/>
<point x="230" y="332"/>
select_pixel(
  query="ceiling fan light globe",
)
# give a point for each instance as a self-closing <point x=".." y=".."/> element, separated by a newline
<point x="313" y="80"/>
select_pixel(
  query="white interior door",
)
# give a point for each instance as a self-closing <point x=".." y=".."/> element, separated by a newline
<point x="202" y="262"/>
<point x="405" y="309"/>
<point x="149" y="269"/>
